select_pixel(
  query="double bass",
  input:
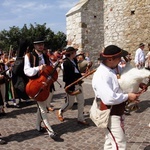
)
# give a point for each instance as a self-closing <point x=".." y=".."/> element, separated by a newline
<point x="39" y="88"/>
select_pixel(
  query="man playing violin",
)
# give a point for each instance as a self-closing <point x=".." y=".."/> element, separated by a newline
<point x="41" y="60"/>
<point x="71" y="73"/>
<point x="55" y="58"/>
<point x="83" y="64"/>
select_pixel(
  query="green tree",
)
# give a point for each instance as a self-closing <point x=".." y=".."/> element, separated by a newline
<point x="60" y="40"/>
<point x="15" y="34"/>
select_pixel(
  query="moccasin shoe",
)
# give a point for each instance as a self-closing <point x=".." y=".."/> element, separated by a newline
<point x="83" y="123"/>
<point x="59" y="116"/>
<point x="50" y="109"/>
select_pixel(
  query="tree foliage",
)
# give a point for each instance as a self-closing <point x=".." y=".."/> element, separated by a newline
<point x="13" y="36"/>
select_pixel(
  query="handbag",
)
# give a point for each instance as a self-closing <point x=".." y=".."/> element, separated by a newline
<point x="99" y="117"/>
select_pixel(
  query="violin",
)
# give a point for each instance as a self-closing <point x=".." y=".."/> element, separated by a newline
<point x="10" y="62"/>
<point x="56" y="55"/>
<point x="53" y="58"/>
<point x="39" y="88"/>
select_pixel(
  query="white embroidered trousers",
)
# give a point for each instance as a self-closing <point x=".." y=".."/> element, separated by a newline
<point x="115" y="138"/>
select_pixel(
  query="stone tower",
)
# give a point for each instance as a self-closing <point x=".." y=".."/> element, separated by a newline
<point x="94" y="24"/>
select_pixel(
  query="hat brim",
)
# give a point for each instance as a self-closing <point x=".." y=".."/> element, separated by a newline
<point x="69" y="52"/>
<point x="37" y="42"/>
<point x="141" y="45"/>
<point x="123" y="53"/>
<point x="80" y="54"/>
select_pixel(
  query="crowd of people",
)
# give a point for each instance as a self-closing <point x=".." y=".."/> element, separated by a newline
<point x="74" y="64"/>
<point x="42" y="59"/>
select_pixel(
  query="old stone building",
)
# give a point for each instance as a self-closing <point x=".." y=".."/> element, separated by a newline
<point x="94" y="24"/>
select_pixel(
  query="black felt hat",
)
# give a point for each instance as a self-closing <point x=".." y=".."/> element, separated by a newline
<point x="112" y="51"/>
<point x="38" y="40"/>
<point x="70" y="50"/>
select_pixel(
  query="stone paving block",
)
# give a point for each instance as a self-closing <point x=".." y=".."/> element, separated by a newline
<point x="18" y="126"/>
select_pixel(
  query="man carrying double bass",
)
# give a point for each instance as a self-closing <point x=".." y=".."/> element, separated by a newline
<point x="32" y="69"/>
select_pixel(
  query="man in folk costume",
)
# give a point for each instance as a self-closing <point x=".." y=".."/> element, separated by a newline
<point x="71" y="73"/>
<point x="2" y="141"/>
<point x="19" y="79"/>
<point x="2" y="88"/>
<point x="108" y="92"/>
<point x="83" y="64"/>
<point x="140" y="56"/>
<point x="4" y="76"/>
<point x="147" y="58"/>
<point x="54" y="61"/>
<point x="33" y="71"/>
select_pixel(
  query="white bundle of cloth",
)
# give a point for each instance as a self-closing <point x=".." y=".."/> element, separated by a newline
<point x="131" y="78"/>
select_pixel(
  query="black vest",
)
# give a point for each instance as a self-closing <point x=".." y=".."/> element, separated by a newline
<point x="34" y="61"/>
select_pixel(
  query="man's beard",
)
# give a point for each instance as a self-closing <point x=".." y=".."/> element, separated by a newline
<point x="39" y="50"/>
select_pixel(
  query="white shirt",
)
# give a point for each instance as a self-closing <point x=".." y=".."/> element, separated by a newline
<point x="8" y="72"/>
<point x="139" y="56"/>
<point x="31" y="71"/>
<point x="106" y="87"/>
<point x="147" y="60"/>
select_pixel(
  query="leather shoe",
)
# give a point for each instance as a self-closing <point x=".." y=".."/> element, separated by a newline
<point x="83" y="123"/>
<point x="59" y="116"/>
<point x="53" y="135"/>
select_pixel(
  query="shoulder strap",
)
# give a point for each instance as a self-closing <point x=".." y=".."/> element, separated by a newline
<point x="117" y="73"/>
<point x="74" y="65"/>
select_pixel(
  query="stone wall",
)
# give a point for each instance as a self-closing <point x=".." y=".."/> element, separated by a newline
<point x="94" y="24"/>
<point x="85" y="27"/>
<point x="92" y="28"/>
<point x="127" y="23"/>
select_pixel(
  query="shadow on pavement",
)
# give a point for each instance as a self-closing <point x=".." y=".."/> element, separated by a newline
<point x="143" y="105"/>
<point x="69" y="125"/>
<point x="16" y="112"/>
<point x="23" y="136"/>
<point x="147" y="147"/>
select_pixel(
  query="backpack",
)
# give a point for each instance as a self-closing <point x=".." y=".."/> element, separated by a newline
<point x="19" y="79"/>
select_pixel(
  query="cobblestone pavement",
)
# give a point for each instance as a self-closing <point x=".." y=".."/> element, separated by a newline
<point x="18" y="126"/>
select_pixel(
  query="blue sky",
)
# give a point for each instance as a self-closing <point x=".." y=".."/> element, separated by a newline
<point x="20" y="12"/>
